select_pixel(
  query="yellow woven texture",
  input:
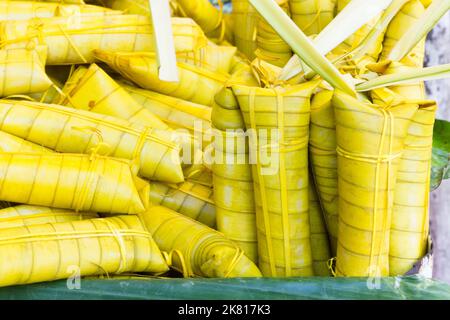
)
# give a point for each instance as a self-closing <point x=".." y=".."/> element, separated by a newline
<point x="196" y="84"/>
<point x="202" y="175"/>
<point x="245" y="20"/>
<point x="71" y="40"/>
<point x="24" y="215"/>
<point x="409" y="227"/>
<point x="24" y="10"/>
<point x="13" y="144"/>
<point x="410" y="216"/>
<point x="21" y="72"/>
<point x="195" y="249"/>
<point x="270" y="46"/>
<point x="49" y="95"/>
<point x="130" y="6"/>
<point x="190" y="199"/>
<point x="92" y="89"/>
<point x="76" y="131"/>
<point x="72" y="181"/>
<point x="412" y="90"/>
<point x="320" y="247"/>
<point x="238" y="61"/>
<point x="55" y="251"/>
<point x="312" y="16"/>
<point x="208" y="17"/>
<point x="137" y="6"/>
<point x="370" y="141"/>
<point x="357" y="66"/>
<point x="407" y="16"/>
<point x="232" y="176"/>
<point x="281" y="181"/>
<point x="323" y="156"/>
<point x="213" y="57"/>
<point x="226" y="113"/>
<point x="177" y="113"/>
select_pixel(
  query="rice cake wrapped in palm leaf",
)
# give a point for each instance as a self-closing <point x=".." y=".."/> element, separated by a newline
<point x="370" y="143"/>
<point x="279" y="118"/>
<point x="196" y="84"/>
<point x="190" y="199"/>
<point x="53" y="251"/>
<point x="25" y="215"/>
<point x="71" y="40"/>
<point x="63" y="129"/>
<point x="195" y="249"/>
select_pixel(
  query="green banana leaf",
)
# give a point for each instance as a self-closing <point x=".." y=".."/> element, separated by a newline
<point x="441" y="153"/>
<point x="399" y="288"/>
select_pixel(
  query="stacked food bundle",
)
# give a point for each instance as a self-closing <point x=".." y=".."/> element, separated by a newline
<point x="274" y="154"/>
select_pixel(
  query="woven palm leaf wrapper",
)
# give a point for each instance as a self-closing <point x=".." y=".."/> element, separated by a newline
<point x="24" y="10"/>
<point x="370" y="141"/>
<point x="245" y="20"/>
<point x="238" y="61"/>
<point x="280" y="175"/>
<point x="198" y="85"/>
<point x="190" y="199"/>
<point x="410" y="215"/>
<point x="312" y="16"/>
<point x="405" y="18"/>
<point x="92" y="89"/>
<point x="195" y="249"/>
<point x="232" y="172"/>
<point x="323" y="156"/>
<point x="202" y="175"/>
<point x="24" y="215"/>
<point x="320" y="247"/>
<point x="137" y="6"/>
<point x="270" y="46"/>
<point x="130" y="6"/>
<point x="208" y="17"/>
<point x="76" y="131"/>
<point x="176" y="113"/>
<point x="71" y="40"/>
<point x="212" y="56"/>
<point x="408" y="15"/>
<point x="351" y="64"/>
<point x="49" y="95"/>
<point x="73" y="181"/>
<point x="22" y="71"/>
<point x="13" y="144"/>
<point x="53" y="251"/>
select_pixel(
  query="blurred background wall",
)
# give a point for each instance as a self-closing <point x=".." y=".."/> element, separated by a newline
<point x="438" y="52"/>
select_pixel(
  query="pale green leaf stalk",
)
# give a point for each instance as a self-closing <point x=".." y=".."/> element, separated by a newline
<point x="301" y="44"/>
<point x="381" y="26"/>
<point x="355" y="15"/>
<point x="420" y="29"/>
<point x="162" y="25"/>
<point x="411" y="75"/>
